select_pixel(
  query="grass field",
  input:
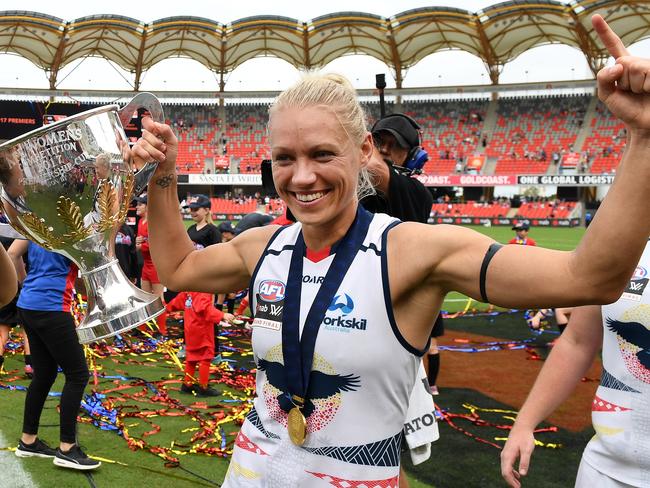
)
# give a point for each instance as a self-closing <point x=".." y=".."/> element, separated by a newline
<point x="176" y="440"/>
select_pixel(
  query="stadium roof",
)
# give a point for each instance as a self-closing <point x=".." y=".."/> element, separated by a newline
<point x="496" y="34"/>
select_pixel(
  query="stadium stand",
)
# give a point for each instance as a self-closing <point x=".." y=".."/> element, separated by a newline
<point x="546" y="210"/>
<point x="451" y="130"/>
<point x="471" y="209"/>
<point x="528" y="133"/>
<point x="233" y="206"/>
<point x="605" y="144"/>
<point x="528" y="210"/>
<point x="530" y="130"/>
<point x="245" y="137"/>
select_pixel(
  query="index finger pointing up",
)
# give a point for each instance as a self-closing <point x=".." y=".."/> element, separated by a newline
<point x="609" y="38"/>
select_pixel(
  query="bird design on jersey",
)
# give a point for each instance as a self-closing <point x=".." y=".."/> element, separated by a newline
<point x="635" y="333"/>
<point x="321" y="385"/>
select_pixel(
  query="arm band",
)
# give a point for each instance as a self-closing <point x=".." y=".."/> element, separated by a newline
<point x="492" y="250"/>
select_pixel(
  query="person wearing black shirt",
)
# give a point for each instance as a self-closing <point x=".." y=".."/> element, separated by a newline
<point x="397" y="156"/>
<point x="125" y="252"/>
<point x="9" y="312"/>
<point x="203" y="233"/>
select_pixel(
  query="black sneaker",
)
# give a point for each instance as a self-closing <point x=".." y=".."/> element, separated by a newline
<point x="38" y="448"/>
<point x="207" y="392"/>
<point x="188" y="389"/>
<point x="75" y="458"/>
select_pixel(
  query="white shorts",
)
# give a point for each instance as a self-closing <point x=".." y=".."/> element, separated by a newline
<point x="589" y="477"/>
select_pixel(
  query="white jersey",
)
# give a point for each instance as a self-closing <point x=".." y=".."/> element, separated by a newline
<point x="621" y="408"/>
<point x="363" y="373"/>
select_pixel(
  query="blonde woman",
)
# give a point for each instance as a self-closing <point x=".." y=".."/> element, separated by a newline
<point x="344" y="300"/>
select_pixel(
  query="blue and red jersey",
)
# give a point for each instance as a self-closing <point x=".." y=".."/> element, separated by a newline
<point x="49" y="282"/>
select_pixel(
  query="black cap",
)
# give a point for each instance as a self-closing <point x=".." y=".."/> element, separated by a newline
<point x="402" y="127"/>
<point x="226" y="227"/>
<point x="142" y="199"/>
<point x="198" y="201"/>
<point x="521" y="226"/>
<point x="252" y="220"/>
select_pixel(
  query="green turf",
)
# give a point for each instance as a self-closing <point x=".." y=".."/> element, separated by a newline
<point x="142" y="465"/>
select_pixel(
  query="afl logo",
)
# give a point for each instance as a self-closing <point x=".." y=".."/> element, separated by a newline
<point x="272" y="290"/>
<point x="639" y="273"/>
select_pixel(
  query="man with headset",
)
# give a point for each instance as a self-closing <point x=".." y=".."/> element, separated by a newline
<point x="397" y="158"/>
<point x="400" y="156"/>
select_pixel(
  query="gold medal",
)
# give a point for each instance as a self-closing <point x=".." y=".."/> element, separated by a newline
<point x="297" y="426"/>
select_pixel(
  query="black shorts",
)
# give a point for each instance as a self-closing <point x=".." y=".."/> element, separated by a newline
<point x="9" y="313"/>
<point x="438" y="328"/>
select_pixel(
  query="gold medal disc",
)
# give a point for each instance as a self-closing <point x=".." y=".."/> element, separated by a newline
<point x="297" y="426"/>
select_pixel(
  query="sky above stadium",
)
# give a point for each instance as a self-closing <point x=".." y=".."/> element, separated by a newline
<point x="544" y="63"/>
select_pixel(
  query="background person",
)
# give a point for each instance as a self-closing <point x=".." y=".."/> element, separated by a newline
<point x="521" y="235"/>
<point x="227" y="231"/>
<point x="562" y="316"/>
<point x="200" y="317"/>
<point x="9" y="313"/>
<point x="622" y="402"/>
<point x="149" y="280"/>
<point x="203" y="232"/>
<point x="44" y="309"/>
<point x="397" y="140"/>
<point x="126" y="253"/>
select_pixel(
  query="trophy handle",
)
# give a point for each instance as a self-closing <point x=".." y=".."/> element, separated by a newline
<point x="144" y="100"/>
<point x="149" y="102"/>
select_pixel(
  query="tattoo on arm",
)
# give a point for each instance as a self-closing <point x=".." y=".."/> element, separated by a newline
<point x="165" y="181"/>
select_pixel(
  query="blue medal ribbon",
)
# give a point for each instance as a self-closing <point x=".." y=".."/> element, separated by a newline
<point x="298" y="352"/>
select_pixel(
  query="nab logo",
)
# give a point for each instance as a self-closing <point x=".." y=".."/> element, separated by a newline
<point x="639" y="273"/>
<point x="272" y="290"/>
<point x="346" y="305"/>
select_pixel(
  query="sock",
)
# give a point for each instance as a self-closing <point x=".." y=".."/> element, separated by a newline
<point x="161" y="320"/>
<point x="28" y="359"/>
<point x="190" y="370"/>
<point x="242" y="306"/>
<point x="204" y="373"/>
<point x="231" y="306"/>
<point x="561" y="327"/>
<point x="434" y="367"/>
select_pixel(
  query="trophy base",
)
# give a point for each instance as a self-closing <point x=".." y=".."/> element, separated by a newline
<point x="95" y="330"/>
<point x="115" y="305"/>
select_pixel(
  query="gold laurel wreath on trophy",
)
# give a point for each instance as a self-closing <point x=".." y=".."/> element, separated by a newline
<point x="37" y="227"/>
<point x="127" y="194"/>
<point x="70" y="214"/>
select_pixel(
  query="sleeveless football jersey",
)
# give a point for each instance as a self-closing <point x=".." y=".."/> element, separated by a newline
<point x="621" y="408"/>
<point x="363" y="373"/>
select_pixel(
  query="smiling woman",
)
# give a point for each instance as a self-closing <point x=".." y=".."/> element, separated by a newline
<point x="320" y="148"/>
<point x="333" y="382"/>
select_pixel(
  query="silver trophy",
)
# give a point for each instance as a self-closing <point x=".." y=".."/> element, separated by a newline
<point x="67" y="186"/>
